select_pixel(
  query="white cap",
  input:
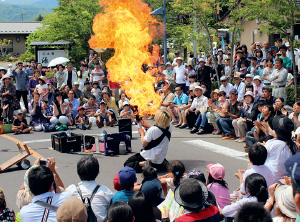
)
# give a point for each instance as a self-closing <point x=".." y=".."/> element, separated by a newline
<point x="248" y="93"/>
<point x="126" y="103"/>
<point x="198" y="87"/>
<point x="223" y="78"/>
<point x="179" y="58"/>
<point x="249" y="75"/>
<point x="257" y="77"/>
<point x="9" y="65"/>
<point x="201" y="60"/>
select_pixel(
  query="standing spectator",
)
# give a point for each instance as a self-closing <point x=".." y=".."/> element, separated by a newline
<point x="203" y="74"/>
<point x="31" y="68"/>
<point x="9" y="70"/>
<point x="225" y="124"/>
<point x="60" y="76"/>
<point x="71" y="76"/>
<point x="33" y="82"/>
<point x="8" y="97"/>
<point x="174" y="63"/>
<point x="190" y="72"/>
<point x="88" y="170"/>
<point x="168" y="72"/>
<point x="83" y="75"/>
<point x="40" y="67"/>
<point x="6" y="214"/>
<point x="226" y="87"/>
<point x="239" y="86"/>
<point x="77" y="91"/>
<point x="179" y="71"/>
<point x="73" y="103"/>
<point x="278" y="78"/>
<point x="287" y="62"/>
<point x="267" y="72"/>
<point x="21" y="78"/>
<point x="96" y="90"/>
<point x="265" y="49"/>
<point x="97" y="75"/>
<point x="40" y="180"/>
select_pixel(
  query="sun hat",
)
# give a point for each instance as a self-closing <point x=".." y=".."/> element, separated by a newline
<point x="191" y="193"/>
<point x="217" y="171"/>
<point x="215" y="91"/>
<point x="285" y="200"/>
<point x="237" y="75"/>
<point x="72" y="210"/>
<point x="4" y="69"/>
<point x="125" y="103"/>
<point x="179" y="58"/>
<point x="6" y="76"/>
<point x="43" y="78"/>
<point x="223" y="78"/>
<point x="168" y="64"/>
<point x="127" y="176"/>
<point x="105" y="92"/>
<point x="249" y="93"/>
<point x="198" y="87"/>
<point x="257" y="77"/>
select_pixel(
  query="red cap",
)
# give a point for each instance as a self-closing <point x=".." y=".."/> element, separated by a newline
<point x="80" y="107"/>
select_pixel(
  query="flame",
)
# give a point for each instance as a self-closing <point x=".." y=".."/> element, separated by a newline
<point x="128" y="27"/>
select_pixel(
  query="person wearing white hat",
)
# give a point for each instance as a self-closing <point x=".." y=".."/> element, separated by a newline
<point x="257" y="88"/>
<point x="179" y="72"/>
<point x="248" y="78"/>
<point x="226" y="87"/>
<point x="127" y="112"/>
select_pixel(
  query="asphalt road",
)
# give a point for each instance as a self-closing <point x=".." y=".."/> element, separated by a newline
<point x="195" y="151"/>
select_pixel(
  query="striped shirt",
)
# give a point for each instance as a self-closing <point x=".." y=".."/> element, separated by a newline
<point x="89" y="109"/>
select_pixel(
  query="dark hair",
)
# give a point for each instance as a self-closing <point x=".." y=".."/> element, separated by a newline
<point x="253" y="212"/>
<point x="149" y="173"/>
<point x="279" y="40"/>
<point x="40" y="180"/>
<point x="200" y="177"/>
<point x="222" y="93"/>
<point x="244" y="62"/>
<point x="20" y="63"/>
<point x="279" y="60"/>
<point x="259" y="51"/>
<point x="60" y="65"/>
<point x="258" y="154"/>
<point x="141" y="207"/>
<point x="296" y="188"/>
<point x="283" y="47"/>
<point x="179" y="87"/>
<point x="249" y="85"/>
<point x="261" y="103"/>
<point x="270" y="60"/>
<point x="257" y="187"/>
<point x="210" y="180"/>
<point x="92" y="96"/>
<point x="244" y="46"/>
<point x="177" y="168"/>
<point x="270" y="107"/>
<point x="88" y="168"/>
<point x="254" y="58"/>
<point x="267" y="88"/>
<point x="297" y="102"/>
<point x="192" y="76"/>
<point x="119" y="212"/>
<point x="281" y="99"/>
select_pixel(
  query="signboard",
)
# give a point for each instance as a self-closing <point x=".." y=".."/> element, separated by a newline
<point x="221" y="34"/>
<point x="45" y="56"/>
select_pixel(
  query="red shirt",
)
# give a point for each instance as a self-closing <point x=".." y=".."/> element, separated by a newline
<point x="112" y="85"/>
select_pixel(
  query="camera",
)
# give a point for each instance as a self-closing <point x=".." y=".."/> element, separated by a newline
<point x="43" y="162"/>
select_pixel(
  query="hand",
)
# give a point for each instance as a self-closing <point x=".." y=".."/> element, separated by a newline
<point x="165" y="213"/>
<point x="256" y="92"/>
<point x="272" y="189"/>
<point x="37" y="161"/>
<point x="197" y="111"/>
<point x="262" y="144"/>
<point x="265" y="124"/>
<point x="239" y="107"/>
<point x="53" y="103"/>
<point x="51" y="164"/>
<point x="141" y="131"/>
<point x="284" y="112"/>
<point x="5" y="107"/>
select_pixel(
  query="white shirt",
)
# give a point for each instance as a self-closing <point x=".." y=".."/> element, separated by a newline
<point x="231" y="210"/>
<point x="34" y="213"/>
<point x="101" y="200"/>
<point x="179" y="73"/>
<point x="241" y="87"/>
<point x="96" y="93"/>
<point x="199" y="102"/>
<point x="156" y="154"/>
<point x="278" y="153"/>
<point x="281" y="81"/>
<point x="267" y="74"/>
<point x="226" y="89"/>
<point x="42" y="89"/>
<point x="262" y="170"/>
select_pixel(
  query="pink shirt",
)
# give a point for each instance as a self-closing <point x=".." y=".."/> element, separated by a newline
<point x="221" y="193"/>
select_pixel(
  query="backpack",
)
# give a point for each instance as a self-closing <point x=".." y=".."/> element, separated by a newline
<point x="87" y="202"/>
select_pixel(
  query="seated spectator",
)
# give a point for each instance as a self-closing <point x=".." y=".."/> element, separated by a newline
<point x="199" y="106"/>
<point x="242" y="124"/>
<point x="81" y="120"/>
<point x="254" y="67"/>
<point x="244" y="68"/>
<point x="248" y="79"/>
<point x="41" y="180"/>
<point x="91" y="108"/>
<point x="257" y="156"/>
<point x="104" y="116"/>
<point x="37" y="118"/>
<point x="77" y="91"/>
<point x="6" y="214"/>
<point x="193" y="83"/>
<point x="127" y="178"/>
<point x="110" y="101"/>
<point x="225" y="87"/>
<point x="258" y="192"/>
<point x="267" y="93"/>
<point x="279" y="108"/>
<point x="187" y="195"/>
<point x="225" y="124"/>
<point x="120" y="212"/>
<point x="61" y="110"/>
<point x="127" y="112"/>
<point x="217" y="185"/>
<point x="122" y="101"/>
<point x="167" y="98"/>
<point x="258" y="86"/>
<point x="73" y="103"/>
<point x="42" y="88"/>
<point x="96" y="90"/>
<point x="178" y="106"/>
<point x="295" y="116"/>
<point x="20" y="124"/>
<point x="88" y="170"/>
<point x="217" y="108"/>
<point x="72" y="210"/>
<point x="8" y="101"/>
<point x="239" y="86"/>
<point x="86" y="91"/>
<point x="253" y="212"/>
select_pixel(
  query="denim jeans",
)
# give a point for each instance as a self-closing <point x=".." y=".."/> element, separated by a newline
<point x="250" y="140"/>
<point x="225" y="125"/>
<point x="80" y="126"/>
<point x="201" y="121"/>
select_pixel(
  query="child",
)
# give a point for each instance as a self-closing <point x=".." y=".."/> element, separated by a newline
<point x="95" y="90"/>
<point x="103" y="115"/>
<point x="5" y="213"/>
<point x="254" y="68"/>
<point x="193" y="83"/>
<point x="42" y="88"/>
<point x="257" y="156"/>
<point x="243" y="69"/>
<point x="249" y="87"/>
<point x="227" y="68"/>
<point x="81" y="120"/>
<point x="20" y="125"/>
<point x="127" y="112"/>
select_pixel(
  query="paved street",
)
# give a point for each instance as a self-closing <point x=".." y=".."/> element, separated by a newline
<point x="195" y="151"/>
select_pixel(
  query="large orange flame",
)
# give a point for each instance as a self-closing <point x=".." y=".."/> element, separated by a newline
<point x="128" y="27"/>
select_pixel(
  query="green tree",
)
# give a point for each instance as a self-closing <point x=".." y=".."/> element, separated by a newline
<point x="72" y="21"/>
<point x="39" y="18"/>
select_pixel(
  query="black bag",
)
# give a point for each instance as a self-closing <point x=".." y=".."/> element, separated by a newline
<point x="87" y="202"/>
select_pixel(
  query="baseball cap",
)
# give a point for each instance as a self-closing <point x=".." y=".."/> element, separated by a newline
<point x="116" y="183"/>
<point x="292" y="166"/>
<point x="223" y="78"/>
<point x="91" y="51"/>
<point x="237" y="75"/>
<point x="217" y="171"/>
<point x="257" y="77"/>
<point x="179" y="58"/>
<point x="126" y="103"/>
<point x="249" y="93"/>
<point x="198" y="87"/>
<point x="76" y="83"/>
<point x="80" y="107"/>
<point x="152" y="189"/>
<point x="127" y="176"/>
<point x="234" y="91"/>
<point x="220" y="50"/>
<point x="201" y="60"/>
<point x="249" y="76"/>
<point x="19" y="111"/>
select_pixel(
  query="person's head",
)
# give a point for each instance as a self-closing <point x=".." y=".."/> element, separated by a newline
<point x="253" y="212"/>
<point x="95" y="85"/>
<point x="76" y="86"/>
<point x="87" y="85"/>
<point x="243" y="64"/>
<point x="71" y="94"/>
<point x="257" y="80"/>
<point x="233" y="95"/>
<point x="260" y="105"/>
<point x="102" y="105"/>
<point x="152" y="188"/>
<point x="284" y="202"/>
<point x="32" y="64"/>
<point x="279" y="102"/>
<point x="40" y="180"/>
<point x="270" y="63"/>
<point x="127" y="177"/>
<point x="237" y="78"/>
<point x="149" y="173"/>
<point x="72" y="210"/>
<point x="256" y="186"/>
<point x="70" y="67"/>
<point x="204" y="88"/>
<point x="282" y="50"/>
<point x="253" y="61"/>
<point x="267" y="110"/>
<point x="240" y="54"/>
<point x="39" y="66"/>
<point x="126" y="106"/>
<point x="6" y="79"/>
<point x="266" y="45"/>
<point x="120" y="212"/>
<point x="36" y="97"/>
<point x="168" y="66"/>
<point x="19" y="114"/>
<point x="81" y="110"/>
<point x="60" y="67"/>
<point x="279" y="43"/>
<point x="162" y="118"/>
<point x="249" y="98"/>
<point x="244" y="48"/>
<point x="227" y="62"/>
<point x="258" y="45"/>
<point x="209" y="59"/>
<point x="123" y="96"/>
<point x="224" y="80"/>
<point x="88" y="168"/>
<point x="267" y="92"/>
<point x="249" y="87"/>
<point x="248" y="78"/>
<point x="278" y="63"/>
<point x="92" y="100"/>
<point x="177" y="168"/>
<point x="257" y="154"/>
<point x="222" y="96"/>
<point x="105" y="94"/>
<point x="202" y="62"/>
<point x="141" y="207"/>
<point x="179" y="61"/>
<point x="2" y="199"/>
<point x="198" y="91"/>
<point x="296" y="107"/>
<point x="197" y="174"/>
<point x="216" y="174"/>
<point x="58" y="97"/>
<point x="20" y="66"/>
<point x="220" y="52"/>
<point x="215" y="94"/>
<point x="178" y="90"/>
<point x="192" y="78"/>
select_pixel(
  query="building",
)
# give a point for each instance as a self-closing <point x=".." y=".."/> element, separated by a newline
<point x="18" y="33"/>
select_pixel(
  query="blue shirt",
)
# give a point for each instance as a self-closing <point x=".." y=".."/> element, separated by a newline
<point x="122" y="195"/>
<point x="29" y="71"/>
<point x="182" y="99"/>
<point x="21" y="80"/>
<point x="75" y="104"/>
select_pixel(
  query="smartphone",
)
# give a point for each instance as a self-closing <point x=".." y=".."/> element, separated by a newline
<point x="43" y="162"/>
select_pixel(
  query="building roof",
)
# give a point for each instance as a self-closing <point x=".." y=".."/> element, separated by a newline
<point x="19" y="27"/>
<point x="47" y="43"/>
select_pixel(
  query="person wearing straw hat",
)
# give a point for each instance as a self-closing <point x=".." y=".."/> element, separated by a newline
<point x="8" y="95"/>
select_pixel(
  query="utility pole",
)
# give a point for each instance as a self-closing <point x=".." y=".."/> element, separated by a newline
<point x="22" y="16"/>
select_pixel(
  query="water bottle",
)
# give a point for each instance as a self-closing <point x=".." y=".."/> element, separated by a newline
<point x="104" y="123"/>
<point x="68" y="133"/>
<point x="122" y="148"/>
